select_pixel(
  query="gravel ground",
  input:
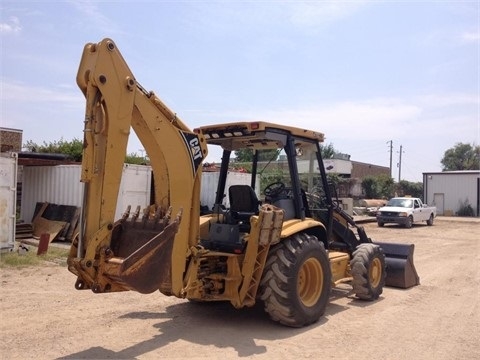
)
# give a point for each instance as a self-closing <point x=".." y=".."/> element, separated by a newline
<point x="44" y="317"/>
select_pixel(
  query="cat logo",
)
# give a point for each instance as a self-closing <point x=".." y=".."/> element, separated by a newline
<point x="195" y="149"/>
<point x="193" y="144"/>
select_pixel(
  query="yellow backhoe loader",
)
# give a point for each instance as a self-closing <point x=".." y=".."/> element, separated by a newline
<point x="285" y="246"/>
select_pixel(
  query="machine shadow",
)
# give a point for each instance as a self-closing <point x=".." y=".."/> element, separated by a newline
<point x="217" y="324"/>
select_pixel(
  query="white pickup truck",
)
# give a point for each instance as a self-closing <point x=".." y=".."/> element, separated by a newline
<point x="406" y="211"/>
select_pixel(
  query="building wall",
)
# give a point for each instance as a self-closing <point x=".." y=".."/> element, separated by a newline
<point x="361" y="170"/>
<point x="448" y="190"/>
<point x="10" y="140"/>
<point x="336" y="166"/>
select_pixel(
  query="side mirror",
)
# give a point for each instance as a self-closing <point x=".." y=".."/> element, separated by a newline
<point x="298" y="151"/>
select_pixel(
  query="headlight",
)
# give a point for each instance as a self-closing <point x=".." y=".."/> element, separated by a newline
<point x="403" y="214"/>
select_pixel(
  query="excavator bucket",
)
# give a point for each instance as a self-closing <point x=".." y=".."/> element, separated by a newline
<point x="401" y="272"/>
<point x="142" y="254"/>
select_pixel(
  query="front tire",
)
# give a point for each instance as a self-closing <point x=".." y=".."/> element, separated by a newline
<point x="409" y="222"/>
<point x="296" y="281"/>
<point x="368" y="271"/>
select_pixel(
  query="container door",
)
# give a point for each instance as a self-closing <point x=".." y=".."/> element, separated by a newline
<point x="8" y="200"/>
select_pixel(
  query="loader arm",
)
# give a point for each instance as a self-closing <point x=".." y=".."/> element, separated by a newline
<point x="136" y="252"/>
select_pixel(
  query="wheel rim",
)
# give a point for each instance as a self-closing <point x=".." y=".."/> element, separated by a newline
<point x="310" y="282"/>
<point x="375" y="272"/>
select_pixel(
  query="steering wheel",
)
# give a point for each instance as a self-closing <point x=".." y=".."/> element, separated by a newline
<point x="274" y="189"/>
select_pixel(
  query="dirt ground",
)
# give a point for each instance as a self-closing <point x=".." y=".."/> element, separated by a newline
<point x="44" y="317"/>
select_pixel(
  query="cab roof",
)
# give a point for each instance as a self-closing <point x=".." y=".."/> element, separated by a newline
<point x="255" y="135"/>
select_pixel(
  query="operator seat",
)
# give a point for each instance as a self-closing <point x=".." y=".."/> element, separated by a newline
<point x="243" y="204"/>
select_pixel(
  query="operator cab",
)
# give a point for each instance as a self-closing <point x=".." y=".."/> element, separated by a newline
<point x="263" y="163"/>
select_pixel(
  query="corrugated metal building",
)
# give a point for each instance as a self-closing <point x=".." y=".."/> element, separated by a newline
<point x="450" y="190"/>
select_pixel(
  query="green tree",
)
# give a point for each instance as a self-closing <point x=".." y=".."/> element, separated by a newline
<point x="72" y="148"/>
<point x="134" y="158"/>
<point x="461" y="157"/>
<point x="328" y="151"/>
<point x="369" y="187"/>
<point x="243" y="155"/>
<point x="414" y="189"/>
<point x="246" y="155"/>
<point x="377" y="187"/>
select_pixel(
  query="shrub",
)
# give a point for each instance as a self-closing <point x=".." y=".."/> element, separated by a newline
<point x="465" y="209"/>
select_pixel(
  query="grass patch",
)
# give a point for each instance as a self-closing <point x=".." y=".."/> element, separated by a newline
<point x="15" y="260"/>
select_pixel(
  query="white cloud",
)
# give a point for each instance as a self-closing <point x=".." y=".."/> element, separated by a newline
<point x="11" y="26"/>
<point x="448" y="37"/>
<point x="313" y="14"/>
<point x="94" y="17"/>
<point x="443" y="100"/>
<point x="425" y="125"/>
<point x="21" y="93"/>
<point x="261" y="17"/>
<point x="375" y="119"/>
<point x="470" y="37"/>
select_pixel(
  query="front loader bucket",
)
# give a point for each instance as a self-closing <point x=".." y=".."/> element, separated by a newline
<point x="401" y="270"/>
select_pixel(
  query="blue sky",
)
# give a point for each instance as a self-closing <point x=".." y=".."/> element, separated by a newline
<point x="362" y="72"/>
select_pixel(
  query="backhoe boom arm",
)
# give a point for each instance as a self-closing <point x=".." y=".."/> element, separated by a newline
<point x="116" y="103"/>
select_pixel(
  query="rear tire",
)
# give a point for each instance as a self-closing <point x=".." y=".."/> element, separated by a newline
<point x="380" y="224"/>
<point x="368" y="271"/>
<point x="430" y="220"/>
<point x="296" y="281"/>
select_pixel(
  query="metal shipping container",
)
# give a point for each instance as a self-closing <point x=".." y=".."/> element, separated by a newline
<point x="53" y="184"/>
<point x="61" y="185"/>
<point x="8" y="199"/>
<point x="135" y="188"/>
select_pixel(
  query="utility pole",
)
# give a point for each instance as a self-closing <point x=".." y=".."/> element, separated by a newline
<point x="391" y="150"/>
<point x="400" y="164"/>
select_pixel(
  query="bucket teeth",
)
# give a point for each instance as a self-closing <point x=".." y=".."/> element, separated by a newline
<point x="167" y="217"/>
<point x="135" y="214"/>
<point x="158" y="214"/>
<point x="126" y="214"/>
<point x="153" y="218"/>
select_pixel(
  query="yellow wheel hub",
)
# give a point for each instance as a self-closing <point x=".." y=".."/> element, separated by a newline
<point x="310" y="282"/>
<point x="375" y="272"/>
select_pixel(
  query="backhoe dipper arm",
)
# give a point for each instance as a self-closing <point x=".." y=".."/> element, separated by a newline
<point x="133" y="253"/>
